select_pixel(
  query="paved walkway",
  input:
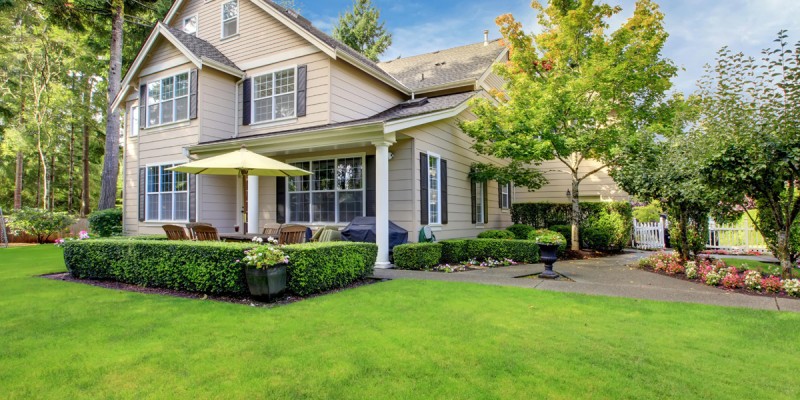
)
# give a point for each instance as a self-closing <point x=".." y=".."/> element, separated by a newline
<point x="608" y="276"/>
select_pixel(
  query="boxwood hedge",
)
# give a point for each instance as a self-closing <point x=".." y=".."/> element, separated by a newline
<point x="525" y="251"/>
<point x="425" y="255"/>
<point x="496" y="234"/>
<point x="417" y="255"/>
<point x="211" y="267"/>
<point x="454" y="250"/>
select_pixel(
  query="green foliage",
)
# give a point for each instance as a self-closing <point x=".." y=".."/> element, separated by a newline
<point x="417" y="255"/>
<point x="524" y="251"/>
<point x="317" y="267"/>
<point x="545" y="236"/>
<point x="564" y="230"/>
<point x="606" y="231"/>
<point x="454" y="250"/>
<point x="516" y="172"/>
<point x="212" y="267"/>
<point x="496" y="234"/>
<point x="105" y="223"/>
<point x="649" y="213"/>
<point x="520" y="231"/>
<point x="362" y="30"/>
<point x="40" y="223"/>
<point x="543" y="215"/>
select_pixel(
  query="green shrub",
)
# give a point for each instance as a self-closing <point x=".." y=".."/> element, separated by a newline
<point x="520" y="231"/>
<point x="562" y="247"/>
<point x="417" y="255"/>
<point x="211" y="267"/>
<point x="605" y="231"/>
<point x="542" y="215"/>
<point x="454" y="251"/>
<point x="649" y="213"/>
<point x="524" y="251"/>
<point x="317" y="267"/>
<point x="564" y="230"/>
<point x="496" y="234"/>
<point x="148" y="237"/>
<point x="105" y="223"/>
<point x="39" y="222"/>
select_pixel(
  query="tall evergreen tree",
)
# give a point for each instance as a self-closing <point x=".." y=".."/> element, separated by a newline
<point x="362" y="30"/>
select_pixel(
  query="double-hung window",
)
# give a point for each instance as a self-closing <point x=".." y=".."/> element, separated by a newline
<point x="230" y="18"/>
<point x="168" y="100"/>
<point x="190" y="25"/>
<point x="274" y="95"/>
<point x="505" y="196"/>
<point x="434" y="189"/>
<point x="333" y="194"/>
<point x="479" y="202"/>
<point x="167" y="195"/>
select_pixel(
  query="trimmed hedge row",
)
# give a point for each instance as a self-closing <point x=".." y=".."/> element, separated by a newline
<point x="545" y="215"/>
<point x="496" y="234"/>
<point x="424" y="255"/>
<point x="211" y="267"/>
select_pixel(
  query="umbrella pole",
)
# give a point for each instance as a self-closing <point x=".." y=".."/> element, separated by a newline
<point x="244" y="208"/>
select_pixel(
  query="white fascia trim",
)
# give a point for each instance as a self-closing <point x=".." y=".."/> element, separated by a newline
<point x="173" y="11"/>
<point x="298" y="30"/>
<point x="383" y="78"/>
<point x="445" y="86"/>
<point x="491" y="67"/>
<point x="205" y="61"/>
<point x="177" y="43"/>
<point x="410" y="122"/>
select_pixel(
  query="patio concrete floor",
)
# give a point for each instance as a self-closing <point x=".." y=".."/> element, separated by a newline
<point x="607" y="276"/>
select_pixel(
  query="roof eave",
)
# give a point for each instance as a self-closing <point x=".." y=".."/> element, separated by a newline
<point x="448" y="85"/>
<point x="399" y="124"/>
<point x="222" y="67"/>
<point x="383" y="78"/>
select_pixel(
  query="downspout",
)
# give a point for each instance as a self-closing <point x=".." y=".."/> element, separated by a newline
<point x="236" y="108"/>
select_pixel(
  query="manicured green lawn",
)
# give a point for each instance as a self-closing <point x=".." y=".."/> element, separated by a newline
<point x="742" y="263"/>
<point x="399" y="339"/>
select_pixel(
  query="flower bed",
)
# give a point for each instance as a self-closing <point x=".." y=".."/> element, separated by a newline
<point x="717" y="273"/>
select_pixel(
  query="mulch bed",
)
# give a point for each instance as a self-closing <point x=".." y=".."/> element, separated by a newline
<point x="284" y="299"/>
<point x="587" y="254"/>
<point x="699" y="282"/>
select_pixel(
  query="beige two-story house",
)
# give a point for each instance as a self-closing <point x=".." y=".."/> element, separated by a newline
<point x="380" y="139"/>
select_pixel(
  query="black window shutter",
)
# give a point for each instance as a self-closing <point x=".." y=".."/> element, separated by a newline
<point x="485" y="202"/>
<point x="371" y="186"/>
<point x="423" y="189"/>
<point x="443" y="183"/>
<point x="143" y="106"/>
<point x="142" y="192"/>
<point x="192" y="198"/>
<point x="499" y="195"/>
<point x="193" y="94"/>
<point x="473" y="200"/>
<point x="280" y="200"/>
<point x="302" y="83"/>
<point x="246" y="96"/>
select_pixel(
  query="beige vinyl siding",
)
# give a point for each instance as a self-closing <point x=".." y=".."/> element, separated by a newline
<point x="215" y="105"/>
<point x="402" y="209"/>
<point x="164" y="52"/>
<point x="493" y="81"/>
<point x="356" y="95"/>
<point x="216" y="197"/>
<point x="317" y="96"/>
<point x="450" y="143"/>
<point x="597" y="187"/>
<point x="130" y="171"/>
<point x="259" y="33"/>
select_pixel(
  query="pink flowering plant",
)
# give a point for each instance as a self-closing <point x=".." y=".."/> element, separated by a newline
<point x="82" y="235"/>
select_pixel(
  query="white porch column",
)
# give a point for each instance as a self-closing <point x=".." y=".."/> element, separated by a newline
<point x="253" y="225"/>
<point x="382" y="203"/>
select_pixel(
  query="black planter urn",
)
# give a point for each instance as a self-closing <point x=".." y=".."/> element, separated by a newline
<point x="548" y="255"/>
<point x="266" y="283"/>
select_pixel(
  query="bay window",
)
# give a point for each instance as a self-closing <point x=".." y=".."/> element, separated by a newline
<point x="167" y="194"/>
<point x="333" y="194"/>
<point x="168" y="100"/>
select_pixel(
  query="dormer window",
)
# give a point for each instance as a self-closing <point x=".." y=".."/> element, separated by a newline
<point x="230" y="18"/>
<point x="190" y="25"/>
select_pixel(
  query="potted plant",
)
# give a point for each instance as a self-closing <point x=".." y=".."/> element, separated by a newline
<point x="549" y="243"/>
<point x="265" y="268"/>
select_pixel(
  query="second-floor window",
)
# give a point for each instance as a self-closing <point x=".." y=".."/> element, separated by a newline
<point x="230" y="18"/>
<point x="190" y="25"/>
<point x="168" y="100"/>
<point x="274" y="96"/>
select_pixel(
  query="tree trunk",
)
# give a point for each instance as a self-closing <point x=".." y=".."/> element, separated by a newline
<point x="576" y="213"/>
<point x="18" y="182"/>
<point x="71" y="173"/>
<point x="108" y="189"/>
<point x="52" y="184"/>
<point x="87" y="97"/>
<point x="43" y="169"/>
<point x="783" y="254"/>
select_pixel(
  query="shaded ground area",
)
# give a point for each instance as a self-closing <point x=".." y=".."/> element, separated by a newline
<point x="607" y="276"/>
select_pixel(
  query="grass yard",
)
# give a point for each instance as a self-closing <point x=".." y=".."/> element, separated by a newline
<point x="399" y="339"/>
<point x="741" y="264"/>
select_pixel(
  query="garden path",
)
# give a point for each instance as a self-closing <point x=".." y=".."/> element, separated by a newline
<point x="607" y="276"/>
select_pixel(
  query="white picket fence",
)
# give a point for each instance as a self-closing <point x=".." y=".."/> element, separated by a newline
<point x="648" y="235"/>
<point x="743" y="237"/>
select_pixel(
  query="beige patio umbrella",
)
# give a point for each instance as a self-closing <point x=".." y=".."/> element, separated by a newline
<point x="242" y="163"/>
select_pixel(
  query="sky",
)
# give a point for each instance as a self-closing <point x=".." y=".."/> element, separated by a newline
<point x="697" y="28"/>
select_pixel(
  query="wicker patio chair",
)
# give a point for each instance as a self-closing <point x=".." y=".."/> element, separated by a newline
<point x="292" y="234"/>
<point x="175" y="232"/>
<point x="190" y="227"/>
<point x="206" y="233"/>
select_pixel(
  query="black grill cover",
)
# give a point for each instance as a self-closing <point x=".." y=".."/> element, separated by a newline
<point x="362" y="229"/>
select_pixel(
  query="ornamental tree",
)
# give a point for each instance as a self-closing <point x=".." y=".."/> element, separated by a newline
<point x="574" y="92"/>
<point x="750" y="128"/>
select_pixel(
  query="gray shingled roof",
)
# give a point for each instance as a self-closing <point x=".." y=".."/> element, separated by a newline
<point x="403" y="110"/>
<point x="200" y="47"/>
<point x="445" y="66"/>
<point x="333" y="43"/>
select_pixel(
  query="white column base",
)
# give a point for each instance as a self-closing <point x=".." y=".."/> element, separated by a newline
<point x="384" y="265"/>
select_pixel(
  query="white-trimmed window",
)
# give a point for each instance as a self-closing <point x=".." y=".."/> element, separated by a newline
<point x="335" y="193"/>
<point x="505" y="196"/>
<point x="274" y="95"/>
<point x="230" y="18"/>
<point x="134" y="121"/>
<point x="434" y="189"/>
<point x="168" y="100"/>
<point x="479" y="202"/>
<point x="190" y="25"/>
<point x="167" y="195"/>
